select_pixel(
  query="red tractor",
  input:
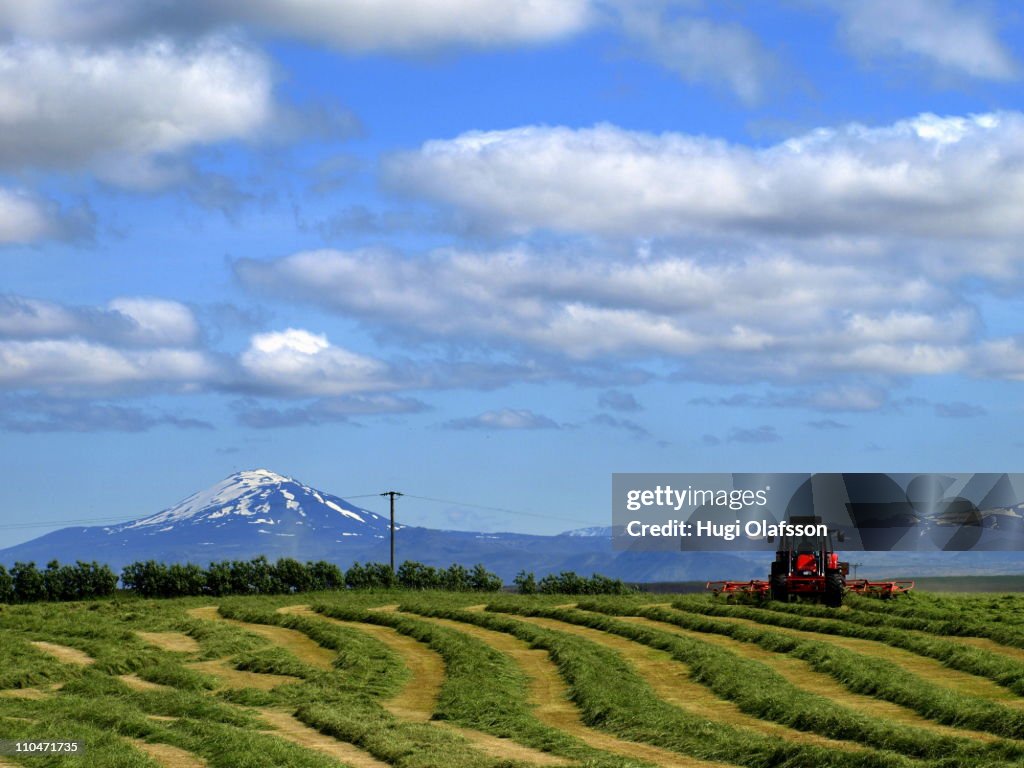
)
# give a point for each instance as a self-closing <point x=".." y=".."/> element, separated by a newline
<point x="807" y="566"/>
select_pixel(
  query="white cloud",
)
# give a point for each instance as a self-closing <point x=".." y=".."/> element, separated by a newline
<point x="350" y="25"/>
<point x="949" y="35"/>
<point x="366" y="25"/>
<point x="897" y="326"/>
<point x="23" y="317"/>
<point x="770" y="315"/>
<point x="1002" y="358"/>
<point x="297" y="362"/>
<point x="700" y="50"/>
<point x="327" y="410"/>
<point x="924" y="177"/>
<point x="130" y="344"/>
<point x="904" y="359"/>
<point x="23" y="218"/>
<point x="848" y="397"/>
<point x="697" y="48"/>
<point x="130" y="321"/>
<point x="71" y="365"/>
<point x="504" y="419"/>
<point x="122" y="111"/>
<point x="158" y="322"/>
<point x="40" y="414"/>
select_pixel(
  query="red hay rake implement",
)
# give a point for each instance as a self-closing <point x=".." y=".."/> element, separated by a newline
<point x="883" y="590"/>
<point x="740" y="590"/>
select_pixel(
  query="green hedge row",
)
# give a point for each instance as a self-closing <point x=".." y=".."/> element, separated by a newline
<point x="569" y="583"/>
<point x="25" y="583"/>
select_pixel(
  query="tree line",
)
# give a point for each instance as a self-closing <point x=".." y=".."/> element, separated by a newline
<point x="25" y="583"/>
<point x="569" y="583"/>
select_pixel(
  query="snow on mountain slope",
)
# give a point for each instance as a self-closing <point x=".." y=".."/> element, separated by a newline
<point x="595" y="530"/>
<point x="275" y="504"/>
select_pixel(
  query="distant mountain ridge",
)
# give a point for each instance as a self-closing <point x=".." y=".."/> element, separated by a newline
<point x="259" y="512"/>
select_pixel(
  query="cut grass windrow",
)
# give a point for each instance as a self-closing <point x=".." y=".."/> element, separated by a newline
<point x="485" y="690"/>
<point x="944" y="655"/>
<point x="402" y="737"/>
<point x="871" y="676"/>
<point x="976" y="634"/>
<point x="998" y="616"/>
<point x="552" y="703"/>
<point x="417" y="700"/>
<point x="801" y="675"/>
<point x="927" y="669"/>
<point x="760" y="691"/>
<point x="294" y="730"/>
<point x="113" y="728"/>
<point x="670" y="679"/>
<point x="612" y="696"/>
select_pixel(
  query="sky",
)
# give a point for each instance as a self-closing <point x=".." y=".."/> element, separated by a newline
<point x="492" y="251"/>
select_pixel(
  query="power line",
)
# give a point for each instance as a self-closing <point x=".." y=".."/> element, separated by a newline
<point x="517" y="512"/>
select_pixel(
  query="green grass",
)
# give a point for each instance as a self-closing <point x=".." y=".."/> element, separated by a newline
<point x="485" y="690"/>
<point x="861" y="674"/>
<point x="999" y="668"/>
<point x="611" y="696"/>
<point x="761" y="692"/>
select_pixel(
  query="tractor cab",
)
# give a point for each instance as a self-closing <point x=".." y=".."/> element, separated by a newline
<point x="807" y="566"/>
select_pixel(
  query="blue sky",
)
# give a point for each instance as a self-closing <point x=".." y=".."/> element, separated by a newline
<point x="494" y="251"/>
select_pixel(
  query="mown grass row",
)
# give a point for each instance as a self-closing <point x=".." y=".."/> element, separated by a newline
<point x="483" y="689"/>
<point x="998" y="609"/>
<point x="1001" y="669"/>
<point x="96" y="707"/>
<point x="346" y="704"/>
<point x="104" y="714"/>
<point x="867" y="675"/>
<point x="999" y="623"/>
<point x="612" y="696"/>
<point x="759" y="691"/>
<point x="863" y="612"/>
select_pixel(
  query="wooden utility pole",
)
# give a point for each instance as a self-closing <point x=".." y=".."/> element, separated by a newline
<point x="392" y="494"/>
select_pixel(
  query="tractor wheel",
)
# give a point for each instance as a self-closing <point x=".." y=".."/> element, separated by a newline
<point x="778" y="586"/>
<point x="834" y="587"/>
<point x="778" y="582"/>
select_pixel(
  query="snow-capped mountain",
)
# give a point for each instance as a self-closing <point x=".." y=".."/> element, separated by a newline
<point x="273" y="504"/>
<point x="256" y="512"/>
